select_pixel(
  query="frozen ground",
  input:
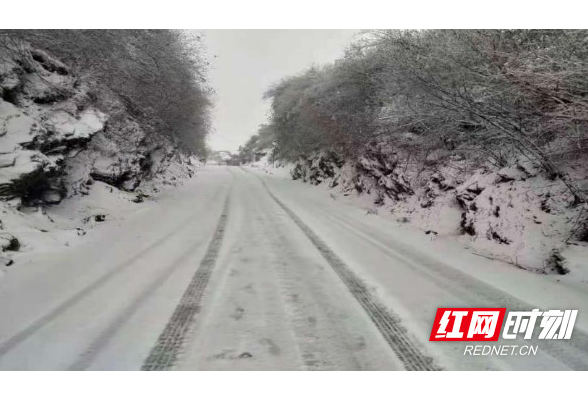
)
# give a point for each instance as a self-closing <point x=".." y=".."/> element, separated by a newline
<point x="243" y="269"/>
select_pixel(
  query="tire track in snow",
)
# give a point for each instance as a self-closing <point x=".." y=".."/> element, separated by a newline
<point x="570" y="352"/>
<point x="93" y="350"/>
<point x="170" y="342"/>
<point x="40" y="322"/>
<point x="86" y="358"/>
<point x="388" y="323"/>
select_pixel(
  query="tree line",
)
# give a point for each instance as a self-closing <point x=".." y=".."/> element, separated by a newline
<point x="491" y="95"/>
<point x="158" y="75"/>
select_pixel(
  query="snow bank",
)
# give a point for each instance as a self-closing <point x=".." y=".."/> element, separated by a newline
<point x="513" y="214"/>
<point x="268" y="165"/>
<point x="65" y="143"/>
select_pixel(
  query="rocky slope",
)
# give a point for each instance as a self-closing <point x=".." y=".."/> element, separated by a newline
<point x="62" y="138"/>
<point x="514" y="214"/>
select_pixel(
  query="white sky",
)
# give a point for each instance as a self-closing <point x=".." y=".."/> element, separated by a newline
<point x="244" y="63"/>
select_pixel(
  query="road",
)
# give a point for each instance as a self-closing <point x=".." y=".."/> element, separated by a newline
<point x="239" y="270"/>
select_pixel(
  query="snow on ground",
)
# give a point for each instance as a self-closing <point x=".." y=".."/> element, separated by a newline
<point x="361" y="209"/>
<point x="45" y="229"/>
<point x="109" y="271"/>
<point x="513" y="214"/>
<point x="270" y="166"/>
<point x="65" y="165"/>
<point x="273" y="302"/>
<point x="416" y="273"/>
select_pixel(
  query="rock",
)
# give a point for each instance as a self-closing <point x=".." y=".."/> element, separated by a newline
<point x="10" y="83"/>
<point x="52" y="196"/>
<point x="85" y="125"/>
<point x="427" y="203"/>
<point x="49" y="63"/>
<point x="555" y="263"/>
<point x="9" y="243"/>
<point x="381" y="168"/>
<point x="7" y="160"/>
<point x="518" y="172"/>
<point x="123" y="173"/>
<point x="15" y="127"/>
<point x="131" y="184"/>
<point x="55" y="141"/>
<point x="467" y="225"/>
<point x="139" y="198"/>
<point x="35" y="87"/>
<point x="493" y="235"/>
<point x="318" y="168"/>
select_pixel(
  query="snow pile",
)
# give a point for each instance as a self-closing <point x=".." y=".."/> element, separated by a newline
<point x="267" y="164"/>
<point x="514" y="214"/>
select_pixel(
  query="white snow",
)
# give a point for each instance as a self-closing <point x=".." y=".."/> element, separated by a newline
<point x="513" y="214"/>
<point x="54" y="229"/>
<point x="15" y="127"/>
<point x="272" y="296"/>
<point x="270" y="166"/>
<point x="139" y="239"/>
<point x="395" y="259"/>
<point x="89" y="122"/>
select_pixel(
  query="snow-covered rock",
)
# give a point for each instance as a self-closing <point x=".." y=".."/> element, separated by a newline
<point x="514" y="214"/>
<point x="317" y="168"/>
<point x="63" y="139"/>
<point x="83" y="126"/>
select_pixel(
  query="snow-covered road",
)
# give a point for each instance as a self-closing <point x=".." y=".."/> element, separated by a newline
<point x="243" y="270"/>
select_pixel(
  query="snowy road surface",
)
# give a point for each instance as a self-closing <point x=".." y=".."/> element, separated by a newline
<point x="241" y="270"/>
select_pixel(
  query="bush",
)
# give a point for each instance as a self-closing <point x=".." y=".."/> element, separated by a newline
<point x="157" y="75"/>
<point x="489" y="95"/>
<point x="11" y="244"/>
<point x="555" y="263"/>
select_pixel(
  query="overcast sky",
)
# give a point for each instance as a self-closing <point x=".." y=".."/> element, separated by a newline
<point x="244" y="63"/>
